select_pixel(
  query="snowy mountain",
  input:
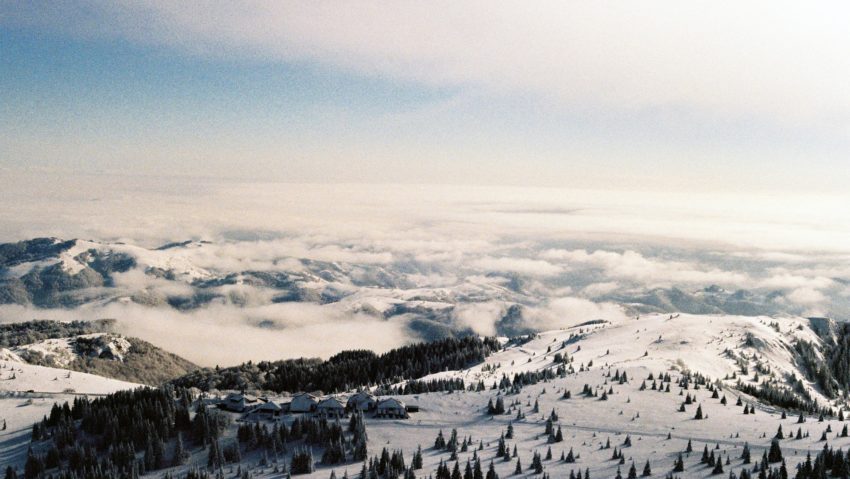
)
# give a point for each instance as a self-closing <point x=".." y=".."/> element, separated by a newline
<point x="89" y="347"/>
<point x="597" y="397"/>
<point x="430" y="298"/>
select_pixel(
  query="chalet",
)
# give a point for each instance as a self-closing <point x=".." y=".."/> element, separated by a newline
<point x="330" y="407"/>
<point x="303" y="402"/>
<point x="237" y="402"/>
<point x="267" y="409"/>
<point x="391" y="408"/>
<point x="361" y="401"/>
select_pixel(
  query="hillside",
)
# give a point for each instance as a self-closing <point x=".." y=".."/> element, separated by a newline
<point x="27" y="393"/>
<point x="88" y="347"/>
<point x="345" y="370"/>
<point x="639" y="389"/>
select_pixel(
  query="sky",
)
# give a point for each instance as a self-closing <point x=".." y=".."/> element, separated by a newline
<point x="715" y="96"/>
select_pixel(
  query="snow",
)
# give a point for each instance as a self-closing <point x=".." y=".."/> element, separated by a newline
<point x="637" y="346"/>
<point x="22" y="377"/>
<point x="61" y="352"/>
<point x="693" y="342"/>
<point x="177" y="260"/>
<point x="27" y="393"/>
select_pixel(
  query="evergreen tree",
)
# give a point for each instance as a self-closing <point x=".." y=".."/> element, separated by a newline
<point x="647" y="471"/>
<point x="679" y="464"/>
<point x="491" y="472"/>
<point x="774" y="454"/>
<point x="698" y="415"/>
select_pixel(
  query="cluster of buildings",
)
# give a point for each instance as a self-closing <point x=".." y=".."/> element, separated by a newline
<point x="322" y="407"/>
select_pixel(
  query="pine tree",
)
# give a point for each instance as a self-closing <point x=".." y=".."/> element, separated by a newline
<point x="647" y="470"/>
<point x="416" y="463"/>
<point x="440" y="441"/>
<point x="774" y="455"/>
<point x="180" y="454"/>
<point x="745" y="454"/>
<point x="537" y="463"/>
<point x="491" y="472"/>
<point x="679" y="464"/>
<point x="718" y="467"/>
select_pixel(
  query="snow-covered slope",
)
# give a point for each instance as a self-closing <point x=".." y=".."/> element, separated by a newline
<point x="60" y="352"/>
<point x="638" y="347"/>
<point x="712" y="345"/>
<point x="631" y="405"/>
<point x="27" y="393"/>
<point x="20" y="377"/>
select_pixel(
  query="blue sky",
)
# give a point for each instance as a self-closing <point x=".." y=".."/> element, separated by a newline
<point x="564" y="94"/>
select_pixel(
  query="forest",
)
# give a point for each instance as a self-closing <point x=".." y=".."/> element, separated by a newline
<point x="346" y="370"/>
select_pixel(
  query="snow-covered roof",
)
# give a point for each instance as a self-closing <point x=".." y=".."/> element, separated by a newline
<point x="360" y="397"/>
<point x="391" y="403"/>
<point x="268" y="406"/>
<point x="330" y="403"/>
<point x="237" y="397"/>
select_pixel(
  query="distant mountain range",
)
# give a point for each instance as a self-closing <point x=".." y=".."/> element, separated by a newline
<point x="56" y="273"/>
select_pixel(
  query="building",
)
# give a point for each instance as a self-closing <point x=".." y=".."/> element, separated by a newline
<point x="330" y="407"/>
<point x="267" y="409"/>
<point x="361" y="401"/>
<point x="303" y="402"/>
<point x="391" y="408"/>
<point x="237" y="402"/>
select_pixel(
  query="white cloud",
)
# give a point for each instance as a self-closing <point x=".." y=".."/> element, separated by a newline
<point x="569" y="311"/>
<point x="780" y="59"/>
<point x="531" y="267"/>
<point x="782" y="279"/>
<point x="600" y="289"/>
<point x="632" y="265"/>
<point x="224" y="335"/>
<point x="452" y="246"/>
<point x="806" y="296"/>
<point x="480" y="317"/>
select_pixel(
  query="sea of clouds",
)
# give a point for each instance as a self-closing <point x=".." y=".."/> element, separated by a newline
<point x="563" y="253"/>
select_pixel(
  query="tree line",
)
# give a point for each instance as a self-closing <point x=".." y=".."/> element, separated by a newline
<point x="346" y="370"/>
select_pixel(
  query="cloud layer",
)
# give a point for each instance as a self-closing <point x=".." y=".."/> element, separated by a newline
<point x="373" y="262"/>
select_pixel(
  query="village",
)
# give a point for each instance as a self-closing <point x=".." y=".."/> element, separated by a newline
<point x="337" y="406"/>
